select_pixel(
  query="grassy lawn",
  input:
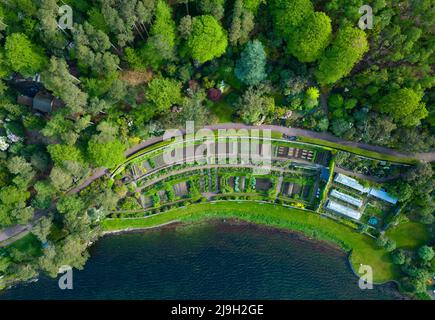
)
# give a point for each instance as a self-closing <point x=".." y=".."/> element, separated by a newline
<point x="361" y="152"/>
<point x="313" y="225"/>
<point x="409" y="235"/>
<point x="28" y="244"/>
<point x="223" y="110"/>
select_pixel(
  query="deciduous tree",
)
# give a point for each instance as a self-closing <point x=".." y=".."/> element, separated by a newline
<point x="311" y="38"/>
<point x="208" y="40"/>
<point x="163" y="93"/>
<point x="23" y="56"/>
<point x="289" y="14"/>
<point x="405" y="106"/>
<point x="346" y="50"/>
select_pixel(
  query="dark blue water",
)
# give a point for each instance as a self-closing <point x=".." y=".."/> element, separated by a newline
<point x="212" y="261"/>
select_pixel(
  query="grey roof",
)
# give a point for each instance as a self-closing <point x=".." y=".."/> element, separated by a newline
<point x="380" y="194"/>
<point x="350" y="182"/>
<point x="43" y="103"/>
<point x="341" y="209"/>
<point x="354" y="184"/>
<point x="346" y="198"/>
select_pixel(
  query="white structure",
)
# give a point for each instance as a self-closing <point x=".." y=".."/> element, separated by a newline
<point x="350" y="182"/>
<point x="380" y="194"/>
<point x="346" y="198"/>
<point x="341" y="209"/>
<point x="354" y="184"/>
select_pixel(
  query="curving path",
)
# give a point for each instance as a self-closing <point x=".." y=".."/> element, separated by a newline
<point x="427" y="156"/>
<point x="424" y="156"/>
<point x="21" y="230"/>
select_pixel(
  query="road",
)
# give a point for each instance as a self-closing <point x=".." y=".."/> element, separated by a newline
<point x="20" y="230"/>
<point x="426" y="156"/>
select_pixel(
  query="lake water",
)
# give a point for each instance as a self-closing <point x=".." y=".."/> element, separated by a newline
<point x="209" y="261"/>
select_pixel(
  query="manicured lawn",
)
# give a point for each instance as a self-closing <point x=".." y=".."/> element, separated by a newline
<point x="362" y="152"/>
<point x="313" y="225"/>
<point x="409" y="235"/>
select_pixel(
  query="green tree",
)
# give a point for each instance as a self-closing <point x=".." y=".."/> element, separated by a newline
<point x="346" y="50"/>
<point x="23" y="56"/>
<point x="242" y="23"/>
<point x="208" y="40"/>
<point x="44" y="194"/>
<point x="311" y="98"/>
<point x="398" y="257"/>
<point x="340" y="127"/>
<point x="255" y="105"/>
<point x="311" y="38"/>
<point x="426" y="253"/>
<point x="91" y="50"/>
<point x="63" y="152"/>
<point x="212" y="7"/>
<point x="11" y="195"/>
<point x="42" y="229"/>
<point x="105" y="153"/>
<point x="405" y="106"/>
<point x="70" y="204"/>
<point x="381" y="241"/>
<point x="161" y="43"/>
<point x="335" y="101"/>
<point x="58" y="79"/>
<point x="363" y="228"/>
<point x="60" y="179"/>
<point x="289" y="14"/>
<point x="124" y="16"/>
<point x="253" y="5"/>
<point x="251" y="67"/>
<point x="390" y="245"/>
<point x="47" y="16"/>
<point x="163" y="93"/>
<point x="185" y="27"/>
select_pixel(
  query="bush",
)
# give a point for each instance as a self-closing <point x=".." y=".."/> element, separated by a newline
<point x="335" y="101"/>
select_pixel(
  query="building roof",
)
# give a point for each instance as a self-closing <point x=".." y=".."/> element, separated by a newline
<point x="354" y="184"/>
<point x="324" y="175"/>
<point x="346" y="198"/>
<point x="380" y="194"/>
<point x="341" y="209"/>
<point x="350" y="182"/>
<point x="43" y="102"/>
<point x="25" y="100"/>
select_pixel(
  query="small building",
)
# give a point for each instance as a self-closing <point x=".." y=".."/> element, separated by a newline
<point x="346" y="198"/>
<point x="350" y="182"/>
<point x="43" y="102"/>
<point x="324" y="174"/>
<point x="382" y="195"/>
<point x="354" y="184"/>
<point x="343" y="210"/>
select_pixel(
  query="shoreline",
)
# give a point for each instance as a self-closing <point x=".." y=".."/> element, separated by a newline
<point x="169" y="225"/>
<point x="299" y="235"/>
<point x="294" y="235"/>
